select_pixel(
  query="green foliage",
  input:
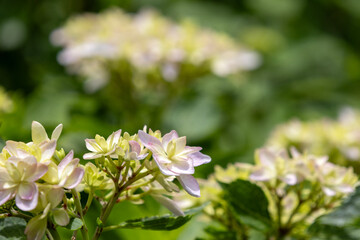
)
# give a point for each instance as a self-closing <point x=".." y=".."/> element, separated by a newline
<point x="166" y="222"/>
<point x="249" y="204"/>
<point x="74" y="224"/>
<point x="342" y="223"/>
<point x="12" y="228"/>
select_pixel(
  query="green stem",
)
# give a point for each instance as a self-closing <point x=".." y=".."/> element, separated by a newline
<point x="88" y="202"/>
<point x="118" y="190"/>
<point x="84" y="230"/>
<point x="48" y="235"/>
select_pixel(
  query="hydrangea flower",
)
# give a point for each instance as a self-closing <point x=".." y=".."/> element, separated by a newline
<point x="67" y="174"/>
<point x="100" y="147"/>
<point x="17" y="179"/>
<point x="174" y="158"/>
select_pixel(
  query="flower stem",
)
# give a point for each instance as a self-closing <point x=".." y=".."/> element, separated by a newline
<point x="84" y="230"/>
<point x="118" y="190"/>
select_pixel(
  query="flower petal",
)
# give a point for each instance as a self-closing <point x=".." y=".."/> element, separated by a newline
<point x="27" y="205"/>
<point x="182" y="167"/>
<point x="113" y="138"/>
<point x="261" y="174"/>
<point x="199" y="158"/>
<point x="134" y="146"/>
<point x="5" y="195"/>
<point x="56" y="133"/>
<point x="65" y="161"/>
<point x="151" y="143"/>
<point x="92" y="146"/>
<point x="168" y="137"/>
<point x="35" y="228"/>
<point x="61" y="217"/>
<point x="89" y="156"/>
<point x="38" y="133"/>
<point x="47" y="150"/>
<point x="169" y="204"/>
<point x="266" y="157"/>
<point x="54" y="196"/>
<point x="75" y="178"/>
<point x="27" y="190"/>
<point x="190" y="184"/>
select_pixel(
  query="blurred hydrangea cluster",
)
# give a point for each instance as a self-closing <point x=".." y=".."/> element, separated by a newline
<point x="147" y="46"/>
<point x="6" y="104"/>
<point x="338" y="139"/>
<point x="299" y="188"/>
<point x="41" y="184"/>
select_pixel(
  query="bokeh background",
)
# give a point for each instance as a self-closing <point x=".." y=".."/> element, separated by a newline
<point x="310" y="69"/>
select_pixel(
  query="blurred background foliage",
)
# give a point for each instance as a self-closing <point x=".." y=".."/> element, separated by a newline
<point x="310" y="69"/>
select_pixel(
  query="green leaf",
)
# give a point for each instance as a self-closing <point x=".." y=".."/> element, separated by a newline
<point x="249" y="203"/>
<point x="165" y="222"/>
<point x="12" y="228"/>
<point x="74" y="224"/>
<point x="342" y="223"/>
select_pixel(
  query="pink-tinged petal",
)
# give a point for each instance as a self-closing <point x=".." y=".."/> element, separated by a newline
<point x="92" y="146"/>
<point x="199" y="158"/>
<point x="5" y="195"/>
<point x="134" y="146"/>
<point x="267" y="158"/>
<point x="26" y="190"/>
<point x="142" y="156"/>
<point x="190" y="185"/>
<point x="152" y="143"/>
<point x="169" y="204"/>
<point x="69" y="168"/>
<point x="56" y="133"/>
<point x="114" y="138"/>
<point x="61" y="217"/>
<point x="22" y="153"/>
<point x="47" y="150"/>
<point x="89" y="156"/>
<point x="35" y="228"/>
<point x="38" y="133"/>
<point x="75" y="178"/>
<point x="160" y="162"/>
<point x="290" y="179"/>
<point x="328" y="191"/>
<point x="189" y="150"/>
<point x="11" y="147"/>
<point x="39" y="172"/>
<point x="261" y="175"/>
<point x="27" y="205"/>
<point x="182" y="167"/>
<point x="65" y="161"/>
<point x="168" y="137"/>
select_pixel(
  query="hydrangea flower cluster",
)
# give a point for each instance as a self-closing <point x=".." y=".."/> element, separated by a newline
<point x="338" y="139"/>
<point x="36" y="180"/>
<point x="34" y="175"/>
<point x="299" y="187"/>
<point x="153" y="47"/>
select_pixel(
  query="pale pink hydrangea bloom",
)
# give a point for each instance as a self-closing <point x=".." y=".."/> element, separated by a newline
<point x="17" y="179"/>
<point x="174" y="158"/>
